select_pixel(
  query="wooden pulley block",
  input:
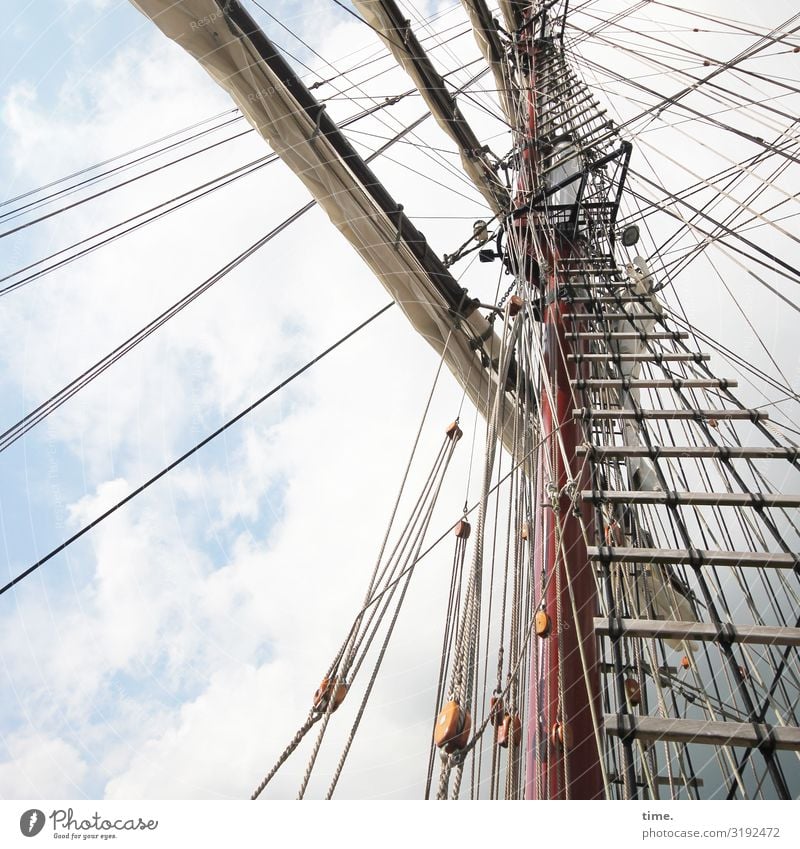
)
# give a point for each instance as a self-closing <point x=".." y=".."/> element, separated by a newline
<point x="634" y="691"/>
<point x="515" y="304"/>
<point x="613" y="534"/>
<point x="542" y="624"/>
<point x="511" y="728"/>
<point x="454" y="432"/>
<point x="743" y="673"/>
<point x="463" y="529"/>
<point x="561" y="735"/>
<point x="448" y="724"/>
<point x="525" y="531"/>
<point x="496" y="711"/>
<point x="323" y="693"/>
<point x="462" y="738"/>
<point x="452" y="728"/>
<point x="685" y="662"/>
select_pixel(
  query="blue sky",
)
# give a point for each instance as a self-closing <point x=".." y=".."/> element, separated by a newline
<point x="52" y="57"/>
<point x="40" y="51"/>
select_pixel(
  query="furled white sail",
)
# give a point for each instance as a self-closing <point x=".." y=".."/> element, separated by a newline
<point x="490" y="46"/>
<point x="204" y="30"/>
<point x="385" y="18"/>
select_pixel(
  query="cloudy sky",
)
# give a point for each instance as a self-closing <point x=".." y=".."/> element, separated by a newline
<point x="173" y="651"/>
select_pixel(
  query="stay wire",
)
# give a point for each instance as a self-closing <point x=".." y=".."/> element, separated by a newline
<point x="118" y="156"/>
<point x="376" y="56"/>
<point x="72" y="188"/>
<point x="122" y="184"/>
<point x="185" y="456"/>
<point x="228" y="178"/>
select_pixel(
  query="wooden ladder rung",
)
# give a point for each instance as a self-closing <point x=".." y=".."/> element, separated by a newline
<point x="696" y="415"/>
<point x="699" y="451"/>
<point x="700" y="557"/>
<point x="714" y="499"/>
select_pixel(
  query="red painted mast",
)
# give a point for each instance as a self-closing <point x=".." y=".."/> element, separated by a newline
<point x="563" y="756"/>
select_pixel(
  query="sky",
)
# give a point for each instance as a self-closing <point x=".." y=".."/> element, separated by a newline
<point x="173" y="651"/>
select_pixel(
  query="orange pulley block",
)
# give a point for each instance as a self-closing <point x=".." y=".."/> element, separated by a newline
<point x="515" y="304"/>
<point x="685" y="662"/>
<point x="613" y="534"/>
<point x="463" y="529"/>
<point x="452" y="727"/>
<point x="463" y="737"/>
<point x="496" y="711"/>
<point x="561" y="735"/>
<point x="542" y="623"/>
<point x="634" y="691"/>
<point x="454" y="432"/>
<point x="511" y="727"/>
<point x="323" y="693"/>
<point x="525" y="531"/>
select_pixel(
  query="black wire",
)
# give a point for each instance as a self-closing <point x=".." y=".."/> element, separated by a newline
<point x="88" y="168"/>
<point x="124" y="183"/>
<point x="86" y="528"/>
<point x="70" y="189"/>
<point x="663" y="103"/>
<point x="701" y="185"/>
<point x="233" y="175"/>
<point x="30" y="420"/>
<point x="198" y="191"/>
<point x="694" y="54"/>
<point x="177" y="202"/>
<point x="720" y="226"/>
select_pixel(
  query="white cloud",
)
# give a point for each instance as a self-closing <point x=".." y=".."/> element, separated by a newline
<point x="41" y="767"/>
<point x="215" y="745"/>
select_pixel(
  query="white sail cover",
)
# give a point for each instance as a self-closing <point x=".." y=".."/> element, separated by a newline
<point x="491" y="49"/>
<point x="378" y="15"/>
<point x="200" y="28"/>
<point x="510" y="14"/>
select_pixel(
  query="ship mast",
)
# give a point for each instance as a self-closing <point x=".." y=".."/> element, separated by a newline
<point x="564" y="221"/>
<point x="622" y="619"/>
<point x="563" y="754"/>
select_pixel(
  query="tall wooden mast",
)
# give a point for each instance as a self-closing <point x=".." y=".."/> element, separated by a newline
<point x="564" y="756"/>
<point x="564" y="738"/>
